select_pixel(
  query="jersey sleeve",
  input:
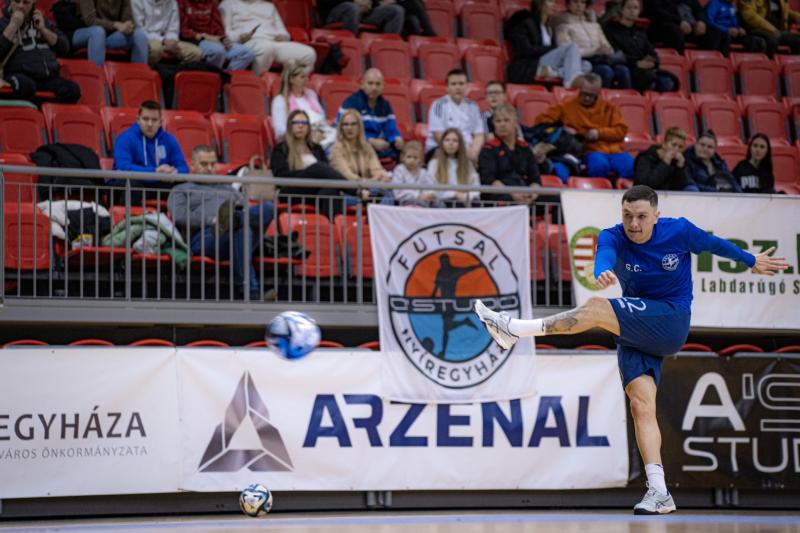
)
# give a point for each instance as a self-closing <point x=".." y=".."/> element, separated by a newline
<point x="606" y="256"/>
<point x="700" y="241"/>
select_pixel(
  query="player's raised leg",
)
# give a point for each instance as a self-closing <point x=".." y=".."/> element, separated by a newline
<point x="595" y="313"/>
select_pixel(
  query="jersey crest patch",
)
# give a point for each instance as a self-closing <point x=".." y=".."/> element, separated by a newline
<point x="670" y="262"/>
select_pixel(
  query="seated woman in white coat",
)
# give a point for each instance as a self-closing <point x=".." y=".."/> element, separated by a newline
<point x="258" y="25"/>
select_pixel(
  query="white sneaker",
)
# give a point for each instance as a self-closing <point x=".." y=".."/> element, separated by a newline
<point x="497" y="325"/>
<point x="655" y="503"/>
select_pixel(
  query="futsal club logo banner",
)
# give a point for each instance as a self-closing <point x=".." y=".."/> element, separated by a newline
<point x="431" y="265"/>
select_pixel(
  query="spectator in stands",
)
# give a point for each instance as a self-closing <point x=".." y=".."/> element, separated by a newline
<point x="387" y="15"/>
<point x="662" y="166"/>
<point x="673" y="22"/>
<point x="754" y="172"/>
<point x="771" y="20"/>
<point x="258" y="25"/>
<point x="109" y="24"/>
<point x="160" y="21"/>
<point x="721" y="14"/>
<point x="380" y="125"/>
<point x="146" y="147"/>
<point x="508" y="159"/>
<point x="454" y="110"/>
<point x="706" y="168"/>
<point x="201" y="23"/>
<point x="450" y="165"/>
<point x="355" y="158"/>
<point x="495" y="97"/>
<point x="417" y="20"/>
<point x="601" y="125"/>
<point x="212" y="214"/>
<point x="411" y="171"/>
<point x="577" y="25"/>
<point x="295" y="95"/>
<point x="28" y="48"/>
<point x="631" y="40"/>
<point x="534" y="50"/>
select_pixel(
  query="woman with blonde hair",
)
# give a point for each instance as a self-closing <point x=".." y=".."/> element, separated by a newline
<point x="294" y="95"/>
<point x="451" y="166"/>
<point x="354" y="157"/>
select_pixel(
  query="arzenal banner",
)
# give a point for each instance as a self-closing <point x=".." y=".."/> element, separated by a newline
<point x="430" y="266"/>
<point x="726" y="293"/>
<point x="731" y="422"/>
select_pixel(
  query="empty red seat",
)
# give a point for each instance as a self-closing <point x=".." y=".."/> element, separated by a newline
<point x="91" y="342"/>
<point x="481" y="21"/>
<point x="695" y="347"/>
<point x="784" y="167"/>
<point x="190" y="128"/>
<point x="22" y="130"/>
<point x="713" y="75"/>
<point x="443" y="15"/>
<point x="295" y="12"/>
<point x="152" y="342"/>
<point x="367" y="38"/>
<point x="76" y="124"/>
<point x="348" y="229"/>
<point x="333" y="92"/>
<point x="415" y="42"/>
<point x="435" y="60"/>
<point x="795" y="348"/>
<point x="133" y="83"/>
<point x="531" y="104"/>
<point x="737" y="58"/>
<point x="18" y="188"/>
<point x="575" y="182"/>
<point x="392" y="58"/>
<point x="246" y="94"/>
<point x="25" y="342"/>
<point x="396" y="93"/>
<point x="724" y="117"/>
<point x="673" y="111"/>
<point x="759" y="77"/>
<point x="317" y="236"/>
<point x="115" y="121"/>
<point x="197" y="91"/>
<point x="548" y="180"/>
<point x="371" y="345"/>
<point x="637" y="112"/>
<point x="693" y="55"/>
<point x="791" y="79"/>
<point x="239" y="137"/>
<point x="770" y="119"/>
<point x="678" y="66"/>
<point x="484" y="63"/>
<point x="27" y="238"/>
<point x="736" y="348"/>
<point x="90" y="78"/>
<point x="423" y="93"/>
<point x="732" y="153"/>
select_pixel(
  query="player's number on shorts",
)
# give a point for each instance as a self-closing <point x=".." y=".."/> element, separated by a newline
<point x="632" y="304"/>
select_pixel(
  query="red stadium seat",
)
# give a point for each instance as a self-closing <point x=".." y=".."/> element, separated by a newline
<point x="695" y="347"/>
<point x="18" y="188"/>
<point x="795" y="348"/>
<point x="347" y="228"/>
<point x="610" y="94"/>
<point x="736" y="348"/>
<point x="25" y="342"/>
<point x="678" y="112"/>
<point x="207" y="343"/>
<point x="392" y="58"/>
<point x="437" y="59"/>
<point x="509" y="7"/>
<point x="424" y="92"/>
<point x="91" y="342"/>
<point x="713" y="75"/>
<point x="415" y="42"/>
<point x="791" y="79"/>
<point x="90" y="78"/>
<point x="693" y="55"/>
<point x="562" y="93"/>
<point x="197" y="91"/>
<point x="732" y="153"/>
<point x="623" y="183"/>
<point x="559" y="252"/>
<point x="637" y="112"/>
<point x="759" y="77"/>
<point x="256" y="344"/>
<point x="239" y="137"/>
<point x="115" y="121"/>
<point x="477" y="93"/>
<point x="539" y="263"/>
<point x="351" y="46"/>
<point x="546" y="347"/>
<point x="769" y="119"/>
<point x="316" y="235"/>
<point x="333" y="92"/>
<point x="548" y="180"/>
<point x="133" y="83"/>
<point x="330" y="344"/>
<point x="246" y="94"/>
<point x="371" y="345"/>
<point x="22" y="130"/>
<point x="484" y="63"/>
<point x="77" y="124"/>
<point x="588" y="183"/>
<point x="295" y="12"/>
<point x="190" y="128"/>
<point x="699" y="99"/>
<point x="27" y="238"/>
<point x="396" y="93"/>
<point x="784" y="167"/>
<point x="481" y="21"/>
<point x="443" y="16"/>
<point x="533" y="103"/>
<point x="152" y="342"/>
<point x="592" y="347"/>
<point x="737" y="58"/>
<point x="679" y="66"/>
<point x="367" y="38"/>
<point x="724" y="117"/>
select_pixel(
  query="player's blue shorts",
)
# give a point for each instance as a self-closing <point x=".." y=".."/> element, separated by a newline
<point x="648" y="330"/>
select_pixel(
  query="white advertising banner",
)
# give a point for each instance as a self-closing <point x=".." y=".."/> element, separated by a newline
<point x="430" y="266"/>
<point x="726" y="294"/>
<point x="83" y="421"/>
<point x="320" y="424"/>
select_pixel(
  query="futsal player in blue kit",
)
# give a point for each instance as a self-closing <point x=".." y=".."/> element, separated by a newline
<point x="651" y="258"/>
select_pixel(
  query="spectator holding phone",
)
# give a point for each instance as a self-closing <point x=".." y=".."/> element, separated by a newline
<point x="258" y="25"/>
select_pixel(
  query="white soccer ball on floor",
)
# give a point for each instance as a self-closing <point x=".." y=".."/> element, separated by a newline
<point x="255" y="500"/>
<point x="293" y="334"/>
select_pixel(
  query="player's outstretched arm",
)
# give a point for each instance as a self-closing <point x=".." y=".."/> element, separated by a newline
<point x="767" y="265"/>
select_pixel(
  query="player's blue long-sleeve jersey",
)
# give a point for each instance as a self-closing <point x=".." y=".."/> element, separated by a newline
<point x="661" y="268"/>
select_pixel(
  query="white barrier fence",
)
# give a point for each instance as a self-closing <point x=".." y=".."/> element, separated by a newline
<point x="90" y="421"/>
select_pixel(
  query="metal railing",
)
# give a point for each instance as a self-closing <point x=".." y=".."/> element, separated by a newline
<point x="304" y="248"/>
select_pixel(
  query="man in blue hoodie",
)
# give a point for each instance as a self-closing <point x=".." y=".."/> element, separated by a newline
<point x="145" y="147"/>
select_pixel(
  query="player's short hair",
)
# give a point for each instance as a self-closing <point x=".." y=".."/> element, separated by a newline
<point x="641" y="192"/>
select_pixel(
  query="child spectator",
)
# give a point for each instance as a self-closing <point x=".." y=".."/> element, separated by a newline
<point x="451" y="166"/>
<point x="411" y="171"/>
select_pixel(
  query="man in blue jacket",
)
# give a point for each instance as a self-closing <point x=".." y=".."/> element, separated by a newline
<point x="145" y="147"/>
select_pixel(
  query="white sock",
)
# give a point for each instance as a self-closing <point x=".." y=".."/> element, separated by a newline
<point x="526" y="328"/>
<point x="655" y="476"/>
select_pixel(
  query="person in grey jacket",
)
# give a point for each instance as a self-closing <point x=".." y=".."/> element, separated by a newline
<point x="211" y="215"/>
<point x="160" y="20"/>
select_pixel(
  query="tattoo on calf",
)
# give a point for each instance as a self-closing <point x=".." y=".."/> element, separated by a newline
<point x="562" y="322"/>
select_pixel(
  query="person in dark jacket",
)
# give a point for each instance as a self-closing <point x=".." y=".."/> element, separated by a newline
<point x="631" y="40"/>
<point x="533" y="47"/>
<point x="754" y="172"/>
<point x="507" y="159"/>
<point x="673" y="22"/>
<point x="389" y="17"/>
<point x="706" y="168"/>
<point x="30" y="44"/>
<point x="662" y="166"/>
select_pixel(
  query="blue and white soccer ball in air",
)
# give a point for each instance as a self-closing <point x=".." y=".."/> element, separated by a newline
<point x="293" y="334"/>
<point x="255" y="500"/>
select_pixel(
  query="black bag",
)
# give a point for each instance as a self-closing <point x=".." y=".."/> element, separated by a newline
<point x="555" y="134"/>
<point x="335" y="60"/>
<point x="67" y="16"/>
<point x="60" y="155"/>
